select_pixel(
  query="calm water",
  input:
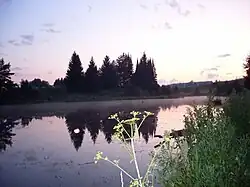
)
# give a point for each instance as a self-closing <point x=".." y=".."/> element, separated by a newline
<point x="43" y="151"/>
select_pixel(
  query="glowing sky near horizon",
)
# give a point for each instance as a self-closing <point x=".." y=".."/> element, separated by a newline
<point x="188" y="39"/>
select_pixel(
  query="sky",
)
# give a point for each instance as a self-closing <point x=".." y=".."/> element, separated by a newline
<point x="188" y="39"/>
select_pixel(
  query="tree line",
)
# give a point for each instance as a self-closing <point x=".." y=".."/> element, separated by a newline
<point x="112" y="75"/>
<point x="114" y="78"/>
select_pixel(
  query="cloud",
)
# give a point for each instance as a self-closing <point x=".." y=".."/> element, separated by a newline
<point x="3" y="54"/>
<point x="89" y="8"/>
<point x="212" y="75"/>
<point x="14" y="42"/>
<point x="48" y="24"/>
<point x="2" y="2"/>
<point x="1" y="45"/>
<point x="229" y="74"/>
<point x="48" y="27"/>
<point x="201" y="6"/>
<point x="167" y="25"/>
<point x="173" y="81"/>
<point x="207" y="71"/>
<point x="16" y="69"/>
<point x="172" y="3"/>
<point x="50" y="73"/>
<point x="185" y="14"/>
<point x="26" y="75"/>
<point x="143" y="6"/>
<point x="27" y="37"/>
<point x="175" y="5"/>
<point x="224" y="55"/>
<point x="156" y="6"/>
<point x="213" y="69"/>
<point x="162" y="81"/>
<point x="23" y="42"/>
<point x="50" y="30"/>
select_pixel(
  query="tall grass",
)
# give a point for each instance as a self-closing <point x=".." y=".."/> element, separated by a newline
<point x="211" y="154"/>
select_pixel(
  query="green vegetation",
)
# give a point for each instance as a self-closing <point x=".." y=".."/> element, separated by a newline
<point x="215" y="148"/>
<point x="210" y="154"/>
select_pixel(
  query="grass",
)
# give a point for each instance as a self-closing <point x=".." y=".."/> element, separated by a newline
<point x="215" y="150"/>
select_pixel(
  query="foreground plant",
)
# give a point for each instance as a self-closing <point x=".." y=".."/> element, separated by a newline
<point x="126" y="132"/>
<point x="210" y="154"/>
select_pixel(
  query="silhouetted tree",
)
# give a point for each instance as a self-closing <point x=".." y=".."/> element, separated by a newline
<point x="236" y="86"/>
<point x="151" y="75"/>
<point x="92" y="77"/>
<point x="76" y="121"/>
<point x="6" y="126"/>
<point x="145" y="74"/>
<point x="124" y="69"/>
<point x="74" y="76"/>
<point x="247" y="77"/>
<point x="108" y="128"/>
<point x="38" y="84"/>
<point x="25" y="121"/>
<point x="93" y="124"/>
<point x="135" y="77"/>
<point x="59" y="83"/>
<point x="165" y="90"/>
<point x="27" y="92"/>
<point x="148" y="127"/>
<point x="5" y="75"/>
<point x="108" y="74"/>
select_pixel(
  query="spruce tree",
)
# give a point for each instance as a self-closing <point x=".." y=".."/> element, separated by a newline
<point x="74" y="76"/>
<point x="91" y="77"/>
<point x="124" y="69"/>
<point x="247" y="69"/>
<point x="145" y="75"/>
<point x="5" y="75"/>
<point x="108" y="74"/>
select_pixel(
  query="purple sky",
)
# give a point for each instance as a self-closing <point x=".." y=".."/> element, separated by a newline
<point x="188" y="39"/>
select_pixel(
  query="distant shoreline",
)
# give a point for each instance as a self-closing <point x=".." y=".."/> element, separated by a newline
<point x="50" y="108"/>
<point x="90" y="98"/>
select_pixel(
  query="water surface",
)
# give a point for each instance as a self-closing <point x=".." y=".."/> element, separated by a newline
<point x="43" y="150"/>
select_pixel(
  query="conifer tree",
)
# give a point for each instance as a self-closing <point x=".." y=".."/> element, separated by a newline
<point x="124" y="70"/>
<point x="91" y="77"/>
<point x="74" y="76"/>
<point x="247" y="69"/>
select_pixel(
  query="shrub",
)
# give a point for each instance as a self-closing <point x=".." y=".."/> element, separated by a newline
<point x="209" y="155"/>
<point x="237" y="108"/>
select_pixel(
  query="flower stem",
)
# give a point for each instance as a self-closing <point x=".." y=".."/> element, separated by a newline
<point x="136" y="164"/>
<point x="121" y="169"/>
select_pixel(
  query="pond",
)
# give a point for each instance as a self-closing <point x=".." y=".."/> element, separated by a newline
<point x="40" y="149"/>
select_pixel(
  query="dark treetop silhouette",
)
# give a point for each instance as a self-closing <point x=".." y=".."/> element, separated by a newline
<point x="114" y="79"/>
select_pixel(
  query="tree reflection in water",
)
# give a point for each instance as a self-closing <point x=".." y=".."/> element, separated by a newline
<point x="6" y="134"/>
<point x="95" y="121"/>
